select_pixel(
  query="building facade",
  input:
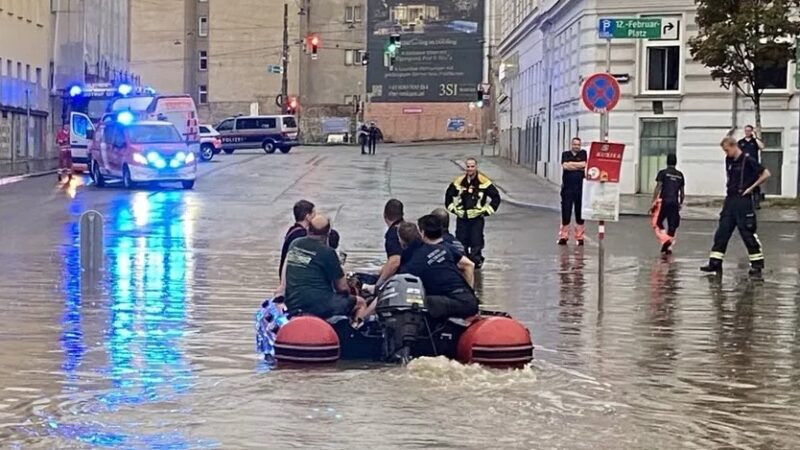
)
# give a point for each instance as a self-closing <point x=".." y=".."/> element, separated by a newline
<point x="24" y="78"/>
<point x="669" y="103"/>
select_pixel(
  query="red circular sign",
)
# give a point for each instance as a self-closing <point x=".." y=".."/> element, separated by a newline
<point x="600" y="92"/>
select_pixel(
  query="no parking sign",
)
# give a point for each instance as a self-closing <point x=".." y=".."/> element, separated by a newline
<point x="600" y="92"/>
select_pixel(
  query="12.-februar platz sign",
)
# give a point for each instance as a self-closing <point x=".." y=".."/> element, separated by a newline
<point x="601" y="187"/>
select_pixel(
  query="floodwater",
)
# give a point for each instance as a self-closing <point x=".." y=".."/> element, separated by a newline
<point x="159" y="352"/>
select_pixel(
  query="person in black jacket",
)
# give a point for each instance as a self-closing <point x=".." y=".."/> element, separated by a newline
<point x="373" y="133"/>
<point x="471" y="197"/>
<point x="303" y="211"/>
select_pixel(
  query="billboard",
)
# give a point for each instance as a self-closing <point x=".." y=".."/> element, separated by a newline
<point x="440" y="57"/>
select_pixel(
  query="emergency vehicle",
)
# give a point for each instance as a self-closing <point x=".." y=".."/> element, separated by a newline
<point x="85" y="106"/>
<point x="136" y="152"/>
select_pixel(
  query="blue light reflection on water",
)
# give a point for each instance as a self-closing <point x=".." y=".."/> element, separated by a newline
<point x="148" y="268"/>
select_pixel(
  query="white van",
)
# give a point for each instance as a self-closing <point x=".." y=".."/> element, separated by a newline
<point x="176" y="109"/>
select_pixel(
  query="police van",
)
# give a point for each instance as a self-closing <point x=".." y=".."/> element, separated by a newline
<point x="270" y="133"/>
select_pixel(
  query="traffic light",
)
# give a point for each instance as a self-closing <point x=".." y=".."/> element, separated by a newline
<point x="291" y="105"/>
<point x="395" y="39"/>
<point x="313" y="42"/>
<point x="479" y="92"/>
<point x="365" y="58"/>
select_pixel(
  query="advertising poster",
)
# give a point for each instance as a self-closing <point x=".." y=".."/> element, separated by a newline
<point x="440" y="57"/>
<point x="601" y="187"/>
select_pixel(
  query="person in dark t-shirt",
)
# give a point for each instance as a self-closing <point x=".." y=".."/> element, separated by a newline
<point x="393" y="216"/>
<point x="447" y="275"/>
<point x="752" y="147"/>
<point x="447" y="237"/>
<point x="667" y="201"/>
<point x="313" y="278"/>
<point x="744" y="175"/>
<point x="303" y="211"/>
<point x="573" y="163"/>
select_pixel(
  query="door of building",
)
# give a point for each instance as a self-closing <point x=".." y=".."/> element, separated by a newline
<point x="657" y="139"/>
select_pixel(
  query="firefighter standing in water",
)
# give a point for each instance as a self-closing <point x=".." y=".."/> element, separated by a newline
<point x="573" y="162"/>
<point x="745" y="175"/>
<point x="64" y="153"/>
<point x="667" y="201"/>
<point x="471" y="197"/>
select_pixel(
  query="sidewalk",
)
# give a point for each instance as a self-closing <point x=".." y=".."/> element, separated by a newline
<point x="523" y="188"/>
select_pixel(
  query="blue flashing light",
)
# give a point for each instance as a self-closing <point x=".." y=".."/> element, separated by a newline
<point x="124" y="89"/>
<point x="153" y="157"/>
<point x="160" y="164"/>
<point x="125" y="118"/>
<point x="175" y="163"/>
<point x="180" y="156"/>
<point x="75" y="91"/>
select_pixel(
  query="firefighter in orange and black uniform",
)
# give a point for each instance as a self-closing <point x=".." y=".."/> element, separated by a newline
<point x="64" y="153"/>
<point x="471" y="197"/>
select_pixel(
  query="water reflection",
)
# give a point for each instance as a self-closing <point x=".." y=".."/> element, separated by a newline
<point x="144" y="305"/>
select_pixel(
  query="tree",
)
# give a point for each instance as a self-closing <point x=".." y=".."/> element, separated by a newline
<point x="739" y="39"/>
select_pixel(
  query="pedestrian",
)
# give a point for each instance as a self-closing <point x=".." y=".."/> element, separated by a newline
<point x="64" y="153"/>
<point x="752" y="147"/>
<point x="744" y="175"/>
<point x="471" y="197"/>
<point x="373" y="138"/>
<point x="667" y="202"/>
<point x="303" y="212"/>
<point x="363" y="137"/>
<point x="573" y="163"/>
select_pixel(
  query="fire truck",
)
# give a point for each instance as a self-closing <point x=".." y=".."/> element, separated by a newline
<point x="85" y="106"/>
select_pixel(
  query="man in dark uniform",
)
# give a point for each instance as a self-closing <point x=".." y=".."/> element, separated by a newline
<point x="744" y="176"/>
<point x="752" y="147"/>
<point x="573" y="163"/>
<point x="393" y="216"/>
<point x="670" y="190"/>
<point x="373" y="138"/>
<point x="471" y="197"/>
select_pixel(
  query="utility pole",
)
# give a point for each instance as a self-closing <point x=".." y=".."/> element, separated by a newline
<point x="285" y="56"/>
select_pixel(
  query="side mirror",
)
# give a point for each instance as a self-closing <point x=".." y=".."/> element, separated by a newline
<point x="90" y="135"/>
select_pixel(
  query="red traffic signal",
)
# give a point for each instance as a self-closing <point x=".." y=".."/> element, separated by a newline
<point x="314" y="41"/>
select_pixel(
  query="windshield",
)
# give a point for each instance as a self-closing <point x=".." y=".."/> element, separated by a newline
<point x="96" y="108"/>
<point x="153" y="134"/>
<point x="132" y="103"/>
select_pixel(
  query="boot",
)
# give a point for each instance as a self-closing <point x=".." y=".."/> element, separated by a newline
<point x="580" y="232"/>
<point x="713" y="266"/>
<point x="563" y="235"/>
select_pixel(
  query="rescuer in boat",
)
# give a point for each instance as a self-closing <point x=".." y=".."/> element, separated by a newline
<point x="446" y="274"/>
<point x="313" y="280"/>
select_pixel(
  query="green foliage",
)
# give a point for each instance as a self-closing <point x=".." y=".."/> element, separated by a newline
<point x="738" y="37"/>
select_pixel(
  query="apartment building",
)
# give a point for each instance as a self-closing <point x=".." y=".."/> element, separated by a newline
<point x="24" y="78"/>
<point x="221" y="53"/>
<point x="669" y="103"/>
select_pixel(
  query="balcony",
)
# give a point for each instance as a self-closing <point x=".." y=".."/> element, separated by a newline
<point x="16" y="93"/>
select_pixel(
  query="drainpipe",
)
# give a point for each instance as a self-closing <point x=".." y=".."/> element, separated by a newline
<point x="734" y="111"/>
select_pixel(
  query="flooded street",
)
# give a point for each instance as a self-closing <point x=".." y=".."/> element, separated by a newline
<point x="160" y="352"/>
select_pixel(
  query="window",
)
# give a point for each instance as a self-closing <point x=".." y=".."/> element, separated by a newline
<point x="662" y="71"/>
<point x="256" y="123"/>
<point x="39" y="77"/>
<point x="202" y="94"/>
<point x="225" y="125"/>
<point x="772" y="140"/>
<point x="203" y="60"/>
<point x="361" y="55"/>
<point x="28" y="73"/>
<point x="349" y="57"/>
<point x="19" y="71"/>
<point x="9" y="65"/>
<point x="352" y="14"/>
<point x="348" y="99"/>
<point x="204" y="129"/>
<point x="773" y="78"/>
<point x="202" y="26"/>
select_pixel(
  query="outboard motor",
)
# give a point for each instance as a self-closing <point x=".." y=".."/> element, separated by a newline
<point x="401" y="308"/>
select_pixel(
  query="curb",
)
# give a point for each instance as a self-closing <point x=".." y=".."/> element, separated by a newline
<point x="17" y="178"/>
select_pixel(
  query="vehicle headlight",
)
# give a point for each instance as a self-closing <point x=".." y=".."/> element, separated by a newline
<point x="190" y="158"/>
<point x="153" y="157"/>
<point x="139" y="158"/>
<point x="180" y="156"/>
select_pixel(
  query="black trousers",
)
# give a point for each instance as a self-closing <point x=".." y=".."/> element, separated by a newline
<point x="363" y="145"/>
<point x="462" y="304"/>
<point x="571" y="198"/>
<point x="671" y="212"/>
<point x="373" y="145"/>
<point x="738" y="213"/>
<point x="470" y="233"/>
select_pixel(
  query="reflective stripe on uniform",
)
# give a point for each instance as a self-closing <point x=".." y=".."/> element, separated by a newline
<point x="488" y="209"/>
<point x="755" y="236"/>
<point x="717" y="255"/>
<point x="756" y="257"/>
